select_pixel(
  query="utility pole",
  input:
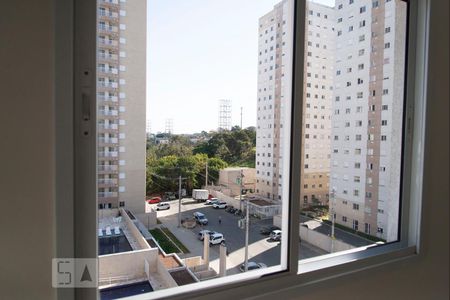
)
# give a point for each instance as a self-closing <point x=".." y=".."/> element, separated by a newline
<point x="206" y="176"/>
<point x="247" y="225"/>
<point x="179" y="201"/>
<point x="240" y="189"/>
<point x="247" y="220"/>
<point x="333" y="196"/>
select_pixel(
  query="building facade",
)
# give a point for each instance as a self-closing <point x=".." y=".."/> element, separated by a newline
<point x="273" y="44"/>
<point x="230" y="179"/>
<point x="121" y="81"/>
<point x="275" y="41"/>
<point x="318" y="94"/>
<point x="367" y="115"/>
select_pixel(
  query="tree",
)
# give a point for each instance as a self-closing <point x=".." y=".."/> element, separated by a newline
<point x="236" y="147"/>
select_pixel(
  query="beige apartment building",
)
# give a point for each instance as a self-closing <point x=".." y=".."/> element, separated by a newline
<point x="230" y="179"/>
<point x="275" y="40"/>
<point x="318" y="94"/>
<point x="121" y="93"/>
<point x="274" y="53"/>
<point x="367" y="115"/>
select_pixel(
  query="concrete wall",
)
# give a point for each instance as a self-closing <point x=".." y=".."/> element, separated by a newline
<point x="148" y="219"/>
<point x="229" y="200"/>
<point x="127" y="263"/>
<point x="27" y="161"/>
<point x="134" y="230"/>
<point x="167" y="279"/>
<point x="277" y="221"/>
<point x="322" y="241"/>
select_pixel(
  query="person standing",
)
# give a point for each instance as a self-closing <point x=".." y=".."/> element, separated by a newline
<point x="220" y="220"/>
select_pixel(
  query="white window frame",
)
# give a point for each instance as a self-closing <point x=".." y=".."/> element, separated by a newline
<point x="79" y="218"/>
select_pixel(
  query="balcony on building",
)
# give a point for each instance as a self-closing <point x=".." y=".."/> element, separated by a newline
<point x="107" y="169"/>
<point x="109" y="155"/>
<point x="108" y="194"/>
<point x="108" y="58"/>
<point x="104" y="141"/>
<point x="108" y="113"/>
<point x="108" y="100"/>
<point x="112" y="4"/>
<point x="108" y="43"/>
<point x="107" y="182"/>
<point x="108" y="128"/>
<point x="108" y="15"/>
<point x="108" y="29"/>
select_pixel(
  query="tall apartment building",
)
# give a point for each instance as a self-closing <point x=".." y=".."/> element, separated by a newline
<point x="367" y="115"/>
<point x="121" y="77"/>
<point x="274" y="41"/>
<point x="318" y="94"/>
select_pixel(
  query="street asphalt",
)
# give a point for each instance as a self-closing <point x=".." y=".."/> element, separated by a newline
<point x="261" y="249"/>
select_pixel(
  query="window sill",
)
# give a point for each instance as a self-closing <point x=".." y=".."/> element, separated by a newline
<point x="354" y="260"/>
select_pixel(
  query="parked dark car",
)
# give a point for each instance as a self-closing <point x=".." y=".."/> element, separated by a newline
<point x="268" y="229"/>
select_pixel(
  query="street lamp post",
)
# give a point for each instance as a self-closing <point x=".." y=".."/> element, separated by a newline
<point x="247" y="225"/>
<point x="240" y="189"/>
<point x="179" y="201"/>
<point x="333" y="197"/>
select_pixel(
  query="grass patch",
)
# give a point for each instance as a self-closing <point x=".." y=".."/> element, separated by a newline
<point x="175" y="240"/>
<point x="163" y="241"/>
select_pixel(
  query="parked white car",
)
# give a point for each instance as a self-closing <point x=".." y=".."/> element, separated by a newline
<point x="162" y="206"/>
<point x="201" y="234"/>
<point x="275" y="235"/>
<point x="211" y="201"/>
<point x="252" y="266"/>
<point x="220" y="204"/>
<point x="216" y="239"/>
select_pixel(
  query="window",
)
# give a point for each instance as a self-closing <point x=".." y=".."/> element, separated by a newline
<point x="312" y="165"/>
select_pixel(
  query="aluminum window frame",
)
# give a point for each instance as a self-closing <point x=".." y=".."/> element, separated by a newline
<point x="78" y="223"/>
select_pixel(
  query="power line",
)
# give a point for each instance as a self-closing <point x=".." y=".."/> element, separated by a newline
<point x="167" y="178"/>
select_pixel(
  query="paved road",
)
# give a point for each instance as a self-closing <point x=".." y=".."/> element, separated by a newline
<point x="340" y="234"/>
<point x="260" y="248"/>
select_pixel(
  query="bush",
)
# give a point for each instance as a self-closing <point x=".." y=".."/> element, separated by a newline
<point x="165" y="244"/>
<point x="175" y="240"/>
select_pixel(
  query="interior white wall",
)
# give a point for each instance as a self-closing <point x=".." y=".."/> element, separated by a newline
<point x="27" y="176"/>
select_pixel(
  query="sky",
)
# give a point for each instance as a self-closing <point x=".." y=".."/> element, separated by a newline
<point x="200" y="51"/>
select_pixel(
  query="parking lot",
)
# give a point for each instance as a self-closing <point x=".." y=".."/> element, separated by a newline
<point x="261" y="249"/>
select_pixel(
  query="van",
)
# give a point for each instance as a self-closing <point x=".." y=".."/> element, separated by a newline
<point x="200" y="218"/>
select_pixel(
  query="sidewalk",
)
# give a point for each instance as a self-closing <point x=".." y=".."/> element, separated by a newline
<point x="185" y="236"/>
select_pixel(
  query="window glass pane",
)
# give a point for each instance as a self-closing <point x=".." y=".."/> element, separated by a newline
<point x="353" y="125"/>
<point x="194" y="110"/>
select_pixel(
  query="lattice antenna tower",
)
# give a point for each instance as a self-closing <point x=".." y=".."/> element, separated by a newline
<point x="148" y="127"/>
<point x="224" y="114"/>
<point x="169" y="126"/>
